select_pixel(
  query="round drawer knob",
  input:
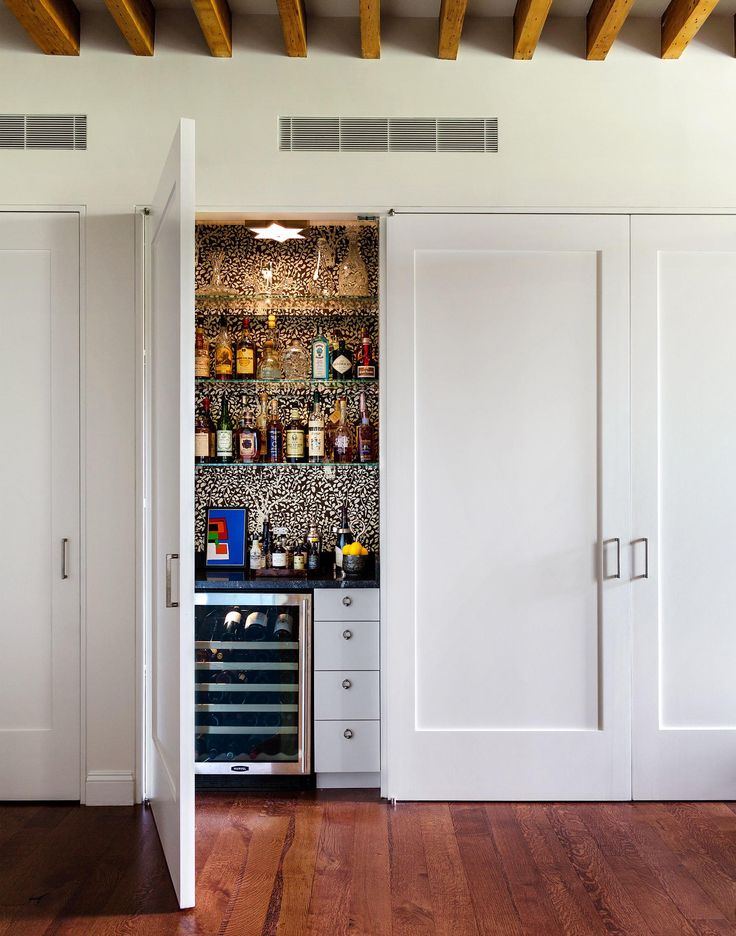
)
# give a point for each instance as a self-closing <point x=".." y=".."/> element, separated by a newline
<point x="346" y="684"/>
<point x="347" y="734"/>
<point x="347" y="601"/>
<point x="347" y="634"/>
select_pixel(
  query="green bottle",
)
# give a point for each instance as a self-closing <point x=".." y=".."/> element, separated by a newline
<point x="224" y="434"/>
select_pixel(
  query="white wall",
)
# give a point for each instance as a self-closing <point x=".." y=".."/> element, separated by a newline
<point x="629" y="132"/>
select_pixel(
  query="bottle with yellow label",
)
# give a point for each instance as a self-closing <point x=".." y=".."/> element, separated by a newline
<point x="245" y="355"/>
<point x="224" y="357"/>
<point x="295" y="438"/>
<point x="201" y="354"/>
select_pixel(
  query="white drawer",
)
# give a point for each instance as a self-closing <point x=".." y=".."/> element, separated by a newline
<point x="359" y="752"/>
<point x="343" y="694"/>
<point x="346" y="604"/>
<point x="340" y="645"/>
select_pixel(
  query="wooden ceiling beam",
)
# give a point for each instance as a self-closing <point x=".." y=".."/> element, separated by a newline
<point x="605" y="19"/>
<point x="529" y="19"/>
<point x="370" y="29"/>
<point x="52" y="24"/>
<point x="216" y="23"/>
<point x="294" y="26"/>
<point x="452" y="15"/>
<point x="680" y="22"/>
<point x="136" y="20"/>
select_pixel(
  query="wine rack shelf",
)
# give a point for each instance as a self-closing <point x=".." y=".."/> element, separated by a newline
<point x="247" y="729"/>
<point x="246" y="707"/>
<point x="246" y="645"/>
<point x="246" y="687"/>
<point x="240" y="665"/>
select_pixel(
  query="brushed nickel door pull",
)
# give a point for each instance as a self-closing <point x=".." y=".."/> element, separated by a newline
<point x="645" y="540"/>
<point x="169" y="602"/>
<point x="65" y="558"/>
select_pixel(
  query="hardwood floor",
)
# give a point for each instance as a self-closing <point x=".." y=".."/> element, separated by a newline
<point x="331" y="863"/>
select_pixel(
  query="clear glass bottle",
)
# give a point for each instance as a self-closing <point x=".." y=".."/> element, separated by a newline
<point x="342" y="441"/>
<point x="295" y="438"/>
<point x="344" y="536"/>
<point x="365" y="436"/>
<point x="201" y="354"/>
<point x="274" y="436"/>
<point x="316" y="430"/>
<point x="224" y="356"/>
<point x="295" y="361"/>
<point x="320" y="358"/>
<point x="245" y="355"/>
<point x="247" y="446"/>
<point x="224" y="434"/>
<point x="269" y="367"/>
<point x="352" y="278"/>
<point x="256" y="554"/>
<point x="262" y="425"/>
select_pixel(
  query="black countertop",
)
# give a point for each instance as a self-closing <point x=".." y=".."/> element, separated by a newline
<point x="243" y="581"/>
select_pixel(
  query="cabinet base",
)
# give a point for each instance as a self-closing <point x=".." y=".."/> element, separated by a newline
<point x="348" y="781"/>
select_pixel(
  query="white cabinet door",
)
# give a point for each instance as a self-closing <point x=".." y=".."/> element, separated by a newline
<point x="170" y="355"/>
<point x="507" y="453"/>
<point x="39" y="507"/>
<point x="683" y="285"/>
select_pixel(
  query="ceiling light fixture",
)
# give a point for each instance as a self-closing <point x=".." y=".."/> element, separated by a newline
<point x="275" y="231"/>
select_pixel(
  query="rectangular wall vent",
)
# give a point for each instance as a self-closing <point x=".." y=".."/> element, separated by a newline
<point x="43" y="131"/>
<point x="388" y="134"/>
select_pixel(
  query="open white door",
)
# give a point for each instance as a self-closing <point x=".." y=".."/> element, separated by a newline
<point x="508" y="508"/>
<point x="170" y="358"/>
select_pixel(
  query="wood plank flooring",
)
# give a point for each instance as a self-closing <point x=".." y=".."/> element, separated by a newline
<point x="325" y="864"/>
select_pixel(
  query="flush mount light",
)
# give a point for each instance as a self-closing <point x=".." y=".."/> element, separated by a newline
<point x="277" y="232"/>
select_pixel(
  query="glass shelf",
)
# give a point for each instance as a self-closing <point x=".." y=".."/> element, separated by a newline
<point x="311" y="301"/>
<point x="304" y="381"/>
<point x="288" y="465"/>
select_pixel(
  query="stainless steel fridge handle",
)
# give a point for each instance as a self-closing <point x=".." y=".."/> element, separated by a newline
<point x="169" y="602"/>
<point x="65" y="558"/>
<point x="645" y="540"/>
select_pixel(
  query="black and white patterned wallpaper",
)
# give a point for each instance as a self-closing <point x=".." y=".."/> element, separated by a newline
<point x="230" y="260"/>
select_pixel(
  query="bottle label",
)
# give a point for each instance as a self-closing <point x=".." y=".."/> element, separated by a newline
<point x="245" y="362"/>
<point x="201" y="364"/>
<point x="294" y="443"/>
<point x="247" y="446"/>
<point x="366" y="371"/>
<point x="224" y="443"/>
<point x="202" y="444"/>
<point x="319" y="360"/>
<point x="299" y="561"/>
<point x="223" y="362"/>
<point x="365" y="451"/>
<point x="278" y="560"/>
<point x="317" y="442"/>
<point x="341" y="364"/>
<point x="338" y="557"/>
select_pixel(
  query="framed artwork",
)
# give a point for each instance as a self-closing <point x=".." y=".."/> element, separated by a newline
<point x="227" y="535"/>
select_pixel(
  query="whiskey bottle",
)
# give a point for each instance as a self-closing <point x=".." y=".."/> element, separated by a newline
<point x="320" y="358"/>
<point x="366" y="368"/>
<point x="341" y="367"/>
<point x="295" y="438"/>
<point x="202" y="435"/>
<point x="343" y="437"/>
<point x="212" y="428"/>
<point x="224" y="357"/>
<point x="201" y="355"/>
<point x="262" y="425"/>
<point x="269" y="367"/>
<point x="275" y="436"/>
<point x="245" y="355"/>
<point x="224" y="434"/>
<point x="365" y="435"/>
<point x="247" y="437"/>
<point x="344" y="536"/>
<point x="316" y="430"/>
<point x="278" y="555"/>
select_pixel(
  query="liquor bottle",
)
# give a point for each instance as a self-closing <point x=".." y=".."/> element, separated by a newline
<point x="300" y="557"/>
<point x="201" y="355"/>
<point x="262" y="425"/>
<point x="344" y="536"/>
<point x="256" y="554"/>
<point x="275" y="436"/>
<point x="366" y="367"/>
<point x="316" y="430"/>
<point x="247" y="446"/>
<point x="320" y="358"/>
<point x="266" y="544"/>
<point x="295" y="438"/>
<point x="278" y="555"/>
<point x="212" y="428"/>
<point x="269" y="367"/>
<point x="341" y="366"/>
<point x="202" y="435"/>
<point x="331" y="424"/>
<point x="365" y="435"/>
<point x="283" y="629"/>
<point x="313" y="535"/>
<point x="344" y="434"/>
<point x="245" y="355"/>
<point x="224" y="357"/>
<point x="314" y="559"/>
<point x="224" y="434"/>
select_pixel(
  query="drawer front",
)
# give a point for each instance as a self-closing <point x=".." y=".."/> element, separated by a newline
<point x="339" y="645"/>
<point x="340" y="694"/>
<point x="360" y="752"/>
<point x="346" y="604"/>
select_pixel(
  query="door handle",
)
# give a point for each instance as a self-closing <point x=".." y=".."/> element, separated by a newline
<point x="645" y="540"/>
<point x="617" y="541"/>
<point x="65" y="558"/>
<point x="169" y="602"/>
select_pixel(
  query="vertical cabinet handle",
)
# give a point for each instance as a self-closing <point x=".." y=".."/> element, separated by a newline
<point x="169" y="602"/>
<point x="65" y="558"/>
<point x="617" y="541"/>
<point x="645" y="540"/>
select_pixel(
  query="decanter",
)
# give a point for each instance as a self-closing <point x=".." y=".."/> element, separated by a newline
<point x="353" y="274"/>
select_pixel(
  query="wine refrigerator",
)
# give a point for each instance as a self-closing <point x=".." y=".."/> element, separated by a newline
<point x="252" y="704"/>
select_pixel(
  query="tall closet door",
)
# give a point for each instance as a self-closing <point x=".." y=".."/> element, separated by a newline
<point x="40" y="724"/>
<point x="683" y="286"/>
<point x="505" y="575"/>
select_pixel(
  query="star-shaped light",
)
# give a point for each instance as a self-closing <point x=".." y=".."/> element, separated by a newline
<point x="277" y="232"/>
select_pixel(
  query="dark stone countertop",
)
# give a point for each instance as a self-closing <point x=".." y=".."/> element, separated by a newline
<point x="239" y="581"/>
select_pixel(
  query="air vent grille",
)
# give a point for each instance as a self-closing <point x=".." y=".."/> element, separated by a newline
<point x="388" y="134"/>
<point x="43" y="131"/>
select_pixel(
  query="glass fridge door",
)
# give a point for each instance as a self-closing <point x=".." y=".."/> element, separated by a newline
<point x="252" y="683"/>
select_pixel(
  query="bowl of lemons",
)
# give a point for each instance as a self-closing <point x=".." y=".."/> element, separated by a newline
<point x="354" y="557"/>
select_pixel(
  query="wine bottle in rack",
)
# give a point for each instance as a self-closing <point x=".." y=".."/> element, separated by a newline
<point x="283" y="629"/>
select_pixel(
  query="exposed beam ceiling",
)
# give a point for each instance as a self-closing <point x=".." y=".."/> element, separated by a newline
<point x="605" y="19"/>
<point x="215" y="20"/>
<point x="52" y="24"/>
<point x="452" y="14"/>
<point x="294" y="26"/>
<point x="370" y="29"/>
<point x="680" y="22"/>
<point x="529" y="19"/>
<point x="136" y="20"/>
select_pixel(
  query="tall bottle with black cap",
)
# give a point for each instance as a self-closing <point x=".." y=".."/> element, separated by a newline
<point x="344" y="536"/>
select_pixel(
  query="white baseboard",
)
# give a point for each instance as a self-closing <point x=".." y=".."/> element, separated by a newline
<point x="108" y="788"/>
<point x="348" y="781"/>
